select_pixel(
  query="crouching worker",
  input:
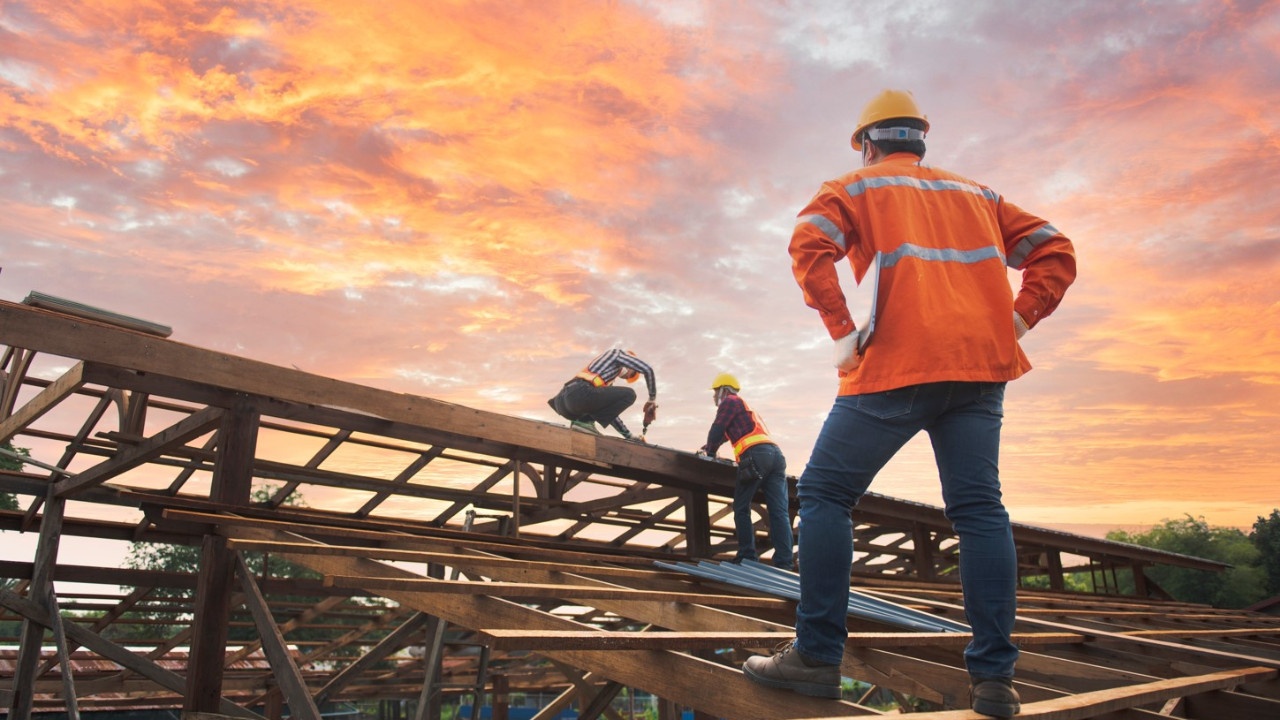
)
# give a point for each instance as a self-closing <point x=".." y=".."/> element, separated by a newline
<point x="590" y="397"/>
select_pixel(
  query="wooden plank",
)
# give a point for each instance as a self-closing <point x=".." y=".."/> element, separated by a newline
<point x="115" y="653"/>
<point x="398" y="638"/>
<point x="51" y="395"/>
<point x="1170" y="650"/>
<point x="189" y="428"/>
<point x="283" y="669"/>
<point x="401" y="535"/>
<point x="675" y="675"/>
<point x="41" y="591"/>
<point x="514" y="639"/>
<point x="466" y="562"/>
<point x="1094" y="704"/>
<point x="1217" y="633"/>
<point x="560" y="592"/>
<point x="149" y="670"/>
<point x="64" y="659"/>
<point x="400" y="480"/>
<point x="1234" y="705"/>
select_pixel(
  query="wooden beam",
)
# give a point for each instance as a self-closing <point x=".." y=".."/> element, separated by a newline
<point x="560" y="592"/>
<point x="404" y="535"/>
<point x="232" y="478"/>
<point x="470" y="561"/>
<point x="17" y="375"/>
<point x="189" y="428"/>
<point x="515" y="639"/>
<point x="676" y="675"/>
<point x="283" y="669"/>
<point x="1094" y="704"/>
<point x="398" y="638"/>
<point x="51" y="395"/>
<point x="64" y="659"/>
<point x="115" y="653"/>
<point x="401" y="479"/>
<point x="41" y="591"/>
<point x="697" y="525"/>
<point x="44" y="331"/>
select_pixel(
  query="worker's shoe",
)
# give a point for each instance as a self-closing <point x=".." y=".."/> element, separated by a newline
<point x="787" y="669"/>
<point x="584" y="426"/>
<point x="995" y="697"/>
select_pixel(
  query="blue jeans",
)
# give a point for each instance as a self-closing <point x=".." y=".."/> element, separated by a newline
<point x="762" y="467"/>
<point x="860" y="435"/>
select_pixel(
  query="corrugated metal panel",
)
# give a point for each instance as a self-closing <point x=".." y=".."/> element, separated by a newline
<point x="774" y="581"/>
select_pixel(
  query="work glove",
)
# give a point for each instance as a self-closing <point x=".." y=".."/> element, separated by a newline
<point x="847" y="358"/>
<point x="650" y="412"/>
<point x="1019" y="325"/>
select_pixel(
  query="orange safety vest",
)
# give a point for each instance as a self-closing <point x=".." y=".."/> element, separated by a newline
<point x="758" y="436"/>
<point x="591" y="377"/>
<point x="944" y="304"/>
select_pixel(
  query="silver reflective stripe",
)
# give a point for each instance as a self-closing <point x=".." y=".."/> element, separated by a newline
<point x="872" y="183"/>
<point x="895" y="133"/>
<point x="1029" y="243"/>
<point x="827" y="227"/>
<point x="968" y="257"/>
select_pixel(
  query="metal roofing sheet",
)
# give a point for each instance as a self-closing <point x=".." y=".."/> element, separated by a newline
<point x="786" y="584"/>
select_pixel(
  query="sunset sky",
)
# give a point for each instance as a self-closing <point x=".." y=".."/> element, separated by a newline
<point x="468" y="200"/>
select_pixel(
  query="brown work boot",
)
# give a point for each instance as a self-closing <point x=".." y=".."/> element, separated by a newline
<point x="995" y="697"/>
<point x="789" y="670"/>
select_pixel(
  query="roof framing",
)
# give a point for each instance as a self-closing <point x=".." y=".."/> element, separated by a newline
<point x="514" y="555"/>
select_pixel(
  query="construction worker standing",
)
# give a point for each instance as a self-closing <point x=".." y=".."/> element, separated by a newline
<point x="590" y="396"/>
<point x="761" y="467"/>
<point x="943" y="345"/>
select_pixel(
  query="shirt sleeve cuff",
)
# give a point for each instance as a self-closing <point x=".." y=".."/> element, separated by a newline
<point x="838" y="324"/>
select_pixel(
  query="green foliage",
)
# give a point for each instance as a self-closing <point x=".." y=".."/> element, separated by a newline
<point x="186" y="558"/>
<point x="167" y="614"/>
<point x="7" y="462"/>
<point x="1266" y="538"/>
<point x="1239" y="586"/>
<point x="1072" y="582"/>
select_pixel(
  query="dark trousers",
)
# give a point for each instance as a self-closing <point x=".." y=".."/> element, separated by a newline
<point x="580" y="400"/>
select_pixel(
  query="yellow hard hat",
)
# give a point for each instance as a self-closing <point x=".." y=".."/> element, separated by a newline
<point x="887" y="105"/>
<point x="724" y="379"/>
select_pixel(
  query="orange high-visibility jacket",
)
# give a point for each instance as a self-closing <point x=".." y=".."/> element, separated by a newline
<point x="944" y="302"/>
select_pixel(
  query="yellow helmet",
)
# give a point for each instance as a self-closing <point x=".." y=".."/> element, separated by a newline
<point x="724" y="379"/>
<point x="887" y="105"/>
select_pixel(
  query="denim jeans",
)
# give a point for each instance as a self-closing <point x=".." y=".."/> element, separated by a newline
<point x="762" y="467"/>
<point x="860" y="435"/>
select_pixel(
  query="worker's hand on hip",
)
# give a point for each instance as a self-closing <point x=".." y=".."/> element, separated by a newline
<point x="847" y="358"/>
<point x="1019" y="325"/>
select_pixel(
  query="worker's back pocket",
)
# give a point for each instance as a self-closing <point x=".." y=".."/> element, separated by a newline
<point x="890" y="403"/>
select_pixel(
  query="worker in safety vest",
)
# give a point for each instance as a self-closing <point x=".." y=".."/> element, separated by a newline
<point x="944" y="342"/>
<point x="761" y="468"/>
<point x="590" y="396"/>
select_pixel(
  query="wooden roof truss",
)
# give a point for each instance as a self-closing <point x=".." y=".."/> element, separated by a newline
<point x="453" y="551"/>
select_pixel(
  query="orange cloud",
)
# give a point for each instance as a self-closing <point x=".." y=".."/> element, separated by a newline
<point x="346" y="144"/>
